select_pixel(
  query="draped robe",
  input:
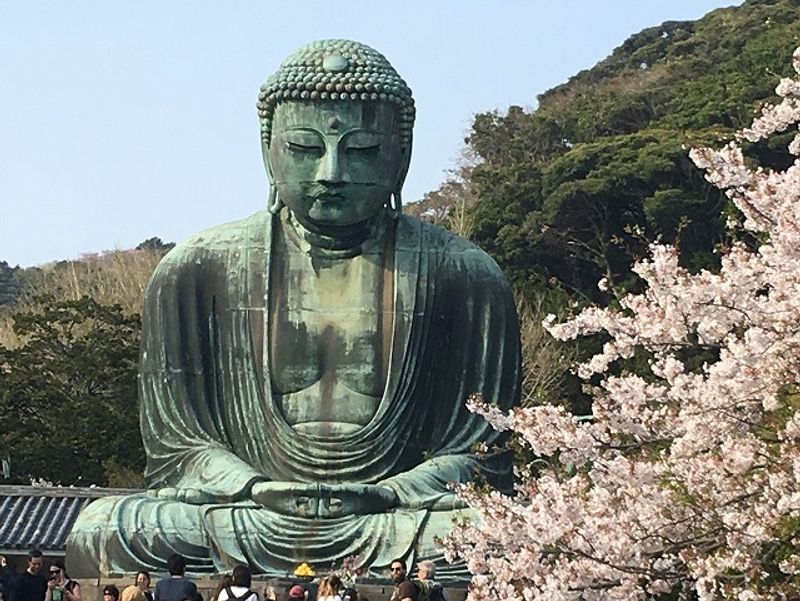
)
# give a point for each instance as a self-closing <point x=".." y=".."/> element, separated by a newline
<point x="210" y="423"/>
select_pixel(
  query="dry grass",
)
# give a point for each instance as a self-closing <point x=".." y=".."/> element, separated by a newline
<point x="545" y="360"/>
<point x="112" y="277"/>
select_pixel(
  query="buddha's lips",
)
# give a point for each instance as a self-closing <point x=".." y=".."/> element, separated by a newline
<point x="328" y="198"/>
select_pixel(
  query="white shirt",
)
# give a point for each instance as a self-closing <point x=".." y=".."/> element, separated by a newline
<point x="237" y="591"/>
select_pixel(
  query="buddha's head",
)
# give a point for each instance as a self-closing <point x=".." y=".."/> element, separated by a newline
<point x="336" y="123"/>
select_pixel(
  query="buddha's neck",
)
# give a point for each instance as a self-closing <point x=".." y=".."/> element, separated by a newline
<point x="337" y="243"/>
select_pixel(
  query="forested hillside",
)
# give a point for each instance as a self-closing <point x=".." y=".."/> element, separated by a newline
<point x="69" y="347"/>
<point x="570" y="192"/>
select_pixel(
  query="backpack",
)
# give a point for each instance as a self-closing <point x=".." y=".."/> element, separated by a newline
<point x="244" y="597"/>
<point x="423" y="589"/>
<point x="437" y="593"/>
<point x="427" y="591"/>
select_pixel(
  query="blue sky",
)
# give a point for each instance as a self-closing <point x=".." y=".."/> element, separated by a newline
<point x="125" y="120"/>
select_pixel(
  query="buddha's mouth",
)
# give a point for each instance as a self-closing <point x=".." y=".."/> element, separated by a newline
<point x="329" y="198"/>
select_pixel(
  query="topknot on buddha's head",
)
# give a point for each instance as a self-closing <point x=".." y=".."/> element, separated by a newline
<point x="336" y="70"/>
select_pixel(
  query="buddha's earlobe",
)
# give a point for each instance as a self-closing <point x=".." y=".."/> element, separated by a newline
<point x="396" y="199"/>
<point x="396" y="203"/>
<point x="274" y="204"/>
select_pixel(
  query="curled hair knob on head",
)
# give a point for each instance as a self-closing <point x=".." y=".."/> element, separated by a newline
<point x="337" y="70"/>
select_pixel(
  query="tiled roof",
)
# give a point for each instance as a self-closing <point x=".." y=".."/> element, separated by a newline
<point x="36" y="516"/>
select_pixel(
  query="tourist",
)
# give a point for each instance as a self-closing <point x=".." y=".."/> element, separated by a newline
<point x="426" y="573"/>
<point x="224" y="582"/>
<point x="404" y="589"/>
<point x="177" y="587"/>
<point x="239" y="589"/>
<point x="59" y="585"/>
<point x="329" y="589"/>
<point x="143" y="582"/>
<point x="297" y="592"/>
<point x="31" y="585"/>
<point x="133" y="593"/>
<point x="110" y="593"/>
<point x="6" y="579"/>
<point x="270" y="594"/>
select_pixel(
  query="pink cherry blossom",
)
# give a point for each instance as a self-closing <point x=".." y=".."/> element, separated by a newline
<point x="682" y="479"/>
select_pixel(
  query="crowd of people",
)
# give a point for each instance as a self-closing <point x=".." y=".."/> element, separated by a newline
<point x="33" y="585"/>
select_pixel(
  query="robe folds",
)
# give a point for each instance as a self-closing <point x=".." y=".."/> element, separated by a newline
<point x="210" y="423"/>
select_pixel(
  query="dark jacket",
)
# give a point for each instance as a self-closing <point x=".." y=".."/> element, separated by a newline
<point x="175" y="589"/>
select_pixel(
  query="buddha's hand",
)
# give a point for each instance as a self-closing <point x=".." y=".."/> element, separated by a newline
<point x="192" y="496"/>
<point x="323" y="500"/>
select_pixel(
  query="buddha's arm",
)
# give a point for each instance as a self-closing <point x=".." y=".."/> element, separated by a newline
<point x="474" y="348"/>
<point x="426" y="486"/>
<point x="212" y="475"/>
<point x="188" y="455"/>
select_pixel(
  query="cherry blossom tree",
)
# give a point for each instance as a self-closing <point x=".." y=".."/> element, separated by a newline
<point x="685" y="480"/>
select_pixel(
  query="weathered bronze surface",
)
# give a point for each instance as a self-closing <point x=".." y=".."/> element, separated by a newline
<point x="304" y="371"/>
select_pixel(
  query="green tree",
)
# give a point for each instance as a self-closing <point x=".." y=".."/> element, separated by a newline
<point x="9" y="283"/>
<point x="68" y="401"/>
<point x="156" y="243"/>
<point x="569" y="193"/>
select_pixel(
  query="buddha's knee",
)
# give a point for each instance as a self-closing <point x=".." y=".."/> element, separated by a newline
<point x="88" y="540"/>
<point x="124" y="534"/>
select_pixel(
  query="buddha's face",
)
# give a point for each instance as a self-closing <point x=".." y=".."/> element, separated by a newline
<point x="334" y="163"/>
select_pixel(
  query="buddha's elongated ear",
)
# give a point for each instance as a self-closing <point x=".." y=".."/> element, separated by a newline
<point x="265" y="158"/>
<point x="396" y="200"/>
<point x="396" y="203"/>
<point x="274" y="203"/>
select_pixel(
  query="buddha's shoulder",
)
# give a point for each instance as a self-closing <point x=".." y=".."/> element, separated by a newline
<point x="214" y="246"/>
<point x="455" y="252"/>
<point x="221" y="239"/>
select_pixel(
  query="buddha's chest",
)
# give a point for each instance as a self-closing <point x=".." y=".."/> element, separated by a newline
<point x="330" y="327"/>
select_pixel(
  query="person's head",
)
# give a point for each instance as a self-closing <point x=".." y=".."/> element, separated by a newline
<point x="350" y="594"/>
<point x="176" y="564"/>
<point x="110" y="593"/>
<point x="426" y="570"/>
<point x="241" y="576"/>
<point x="57" y="570"/>
<point x="398" y="570"/>
<point x="143" y="579"/>
<point x="297" y="591"/>
<point x="336" y="128"/>
<point x="35" y="561"/>
<point x="329" y="586"/>
<point x="133" y="593"/>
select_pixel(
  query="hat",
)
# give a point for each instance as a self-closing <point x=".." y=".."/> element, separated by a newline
<point x="297" y="592"/>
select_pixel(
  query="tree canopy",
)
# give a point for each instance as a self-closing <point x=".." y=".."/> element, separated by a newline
<point x="68" y="408"/>
<point x="572" y="191"/>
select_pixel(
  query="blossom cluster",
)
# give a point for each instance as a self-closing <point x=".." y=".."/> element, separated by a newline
<point x="686" y="478"/>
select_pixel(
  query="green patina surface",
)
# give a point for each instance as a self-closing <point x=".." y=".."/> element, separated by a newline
<point x="304" y="371"/>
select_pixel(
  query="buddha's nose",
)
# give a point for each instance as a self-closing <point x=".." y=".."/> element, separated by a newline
<point x="333" y="168"/>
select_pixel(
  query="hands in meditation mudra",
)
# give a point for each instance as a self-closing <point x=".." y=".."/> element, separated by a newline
<point x="304" y="371"/>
